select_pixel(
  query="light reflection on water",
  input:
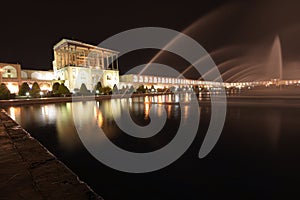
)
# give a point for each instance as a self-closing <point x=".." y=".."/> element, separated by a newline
<point x="61" y="116"/>
<point x="97" y="114"/>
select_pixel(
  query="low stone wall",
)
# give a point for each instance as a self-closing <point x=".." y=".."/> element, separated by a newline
<point x="29" y="171"/>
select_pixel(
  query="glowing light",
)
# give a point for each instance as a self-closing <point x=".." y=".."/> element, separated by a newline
<point x="12" y="113"/>
<point x="12" y="88"/>
<point x="186" y="98"/>
<point x="46" y="87"/>
<point x="147" y="109"/>
<point x="159" y="100"/>
<point x="100" y="119"/>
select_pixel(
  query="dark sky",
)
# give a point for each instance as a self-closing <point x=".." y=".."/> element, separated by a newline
<point x="29" y="29"/>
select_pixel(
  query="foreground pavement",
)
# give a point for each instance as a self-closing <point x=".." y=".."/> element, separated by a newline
<point x="29" y="171"/>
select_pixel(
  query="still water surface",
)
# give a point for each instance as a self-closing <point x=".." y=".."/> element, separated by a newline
<point x="257" y="155"/>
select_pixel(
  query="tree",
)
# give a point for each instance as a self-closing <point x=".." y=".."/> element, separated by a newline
<point x="4" y="92"/>
<point x="131" y="89"/>
<point x="98" y="87"/>
<point x="141" y="89"/>
<point x="124" y="89"/>
<point x="35" y="90"/>
<point x="62" y="89"/>
<point x="115" y="89"/>
<point x="83" y="90"/>
<point x="24" y="88"/>
<point x="172" y="89"/>
<point x="106" y="90"/>
<point x="55" y="87"/>
<point x="152" y="88"/>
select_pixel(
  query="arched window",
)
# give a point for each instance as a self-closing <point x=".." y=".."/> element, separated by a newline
<point x="37" y="75"/>
<point x="9" y="72"/>
<point x="24" y="75"/>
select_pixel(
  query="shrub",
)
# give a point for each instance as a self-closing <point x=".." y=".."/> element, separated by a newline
<point x="35" y="90"/>
<point x="141" y="89"/>
<point x="62" y="89"/>
<point x="98" y="87"/>
<point x="4" y="92"/>
<point x="24" y="88"/>
<point x="115" y="89"/>
<point x="152" y="88"/>
<point x="107" y="90"/>
<point x="131" y="89"/>
<point x="83" y="90"/>
<point x="55" y="87"/>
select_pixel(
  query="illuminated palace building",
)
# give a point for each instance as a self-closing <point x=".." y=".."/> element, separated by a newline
<point x="76" y="63"/>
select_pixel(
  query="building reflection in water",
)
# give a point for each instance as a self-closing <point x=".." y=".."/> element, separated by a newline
<point x="96" y="115"/>
<point x="12" y="113"/>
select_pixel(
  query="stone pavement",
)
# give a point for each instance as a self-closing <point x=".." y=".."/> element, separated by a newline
<point x="29" y="171"/>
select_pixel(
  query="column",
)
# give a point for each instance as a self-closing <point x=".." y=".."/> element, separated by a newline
<point x="112" y="62"/>
<point x="97" y="61"/>
<point x="64" y="57"/>
<point x="102" y="59"/>
<point x="75" y="60"/>
<point x="68" y="56"/>
<point x="60" y="57"/>
<point x="117" y="63"/>
<point x="107" y="62"/>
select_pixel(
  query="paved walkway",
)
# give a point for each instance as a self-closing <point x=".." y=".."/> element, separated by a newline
<point x="29" y="171"/>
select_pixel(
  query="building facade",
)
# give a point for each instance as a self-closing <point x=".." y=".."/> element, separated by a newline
<point x="76" y="63"/>
<point x="13" y="76"/>
<point x="136" y="80"/>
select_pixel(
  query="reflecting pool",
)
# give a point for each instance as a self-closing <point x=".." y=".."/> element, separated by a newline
<point x="257" y="155"/>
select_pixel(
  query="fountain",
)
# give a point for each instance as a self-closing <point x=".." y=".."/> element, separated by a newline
<point x="274" y="62"/>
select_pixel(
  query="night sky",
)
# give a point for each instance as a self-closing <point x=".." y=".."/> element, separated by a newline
<point x="30" y="29"/>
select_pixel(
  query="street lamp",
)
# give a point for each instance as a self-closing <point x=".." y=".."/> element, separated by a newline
<point x="27" y="94"/>
<point x="41" y="93"/>
<point x="97" y="92"/>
